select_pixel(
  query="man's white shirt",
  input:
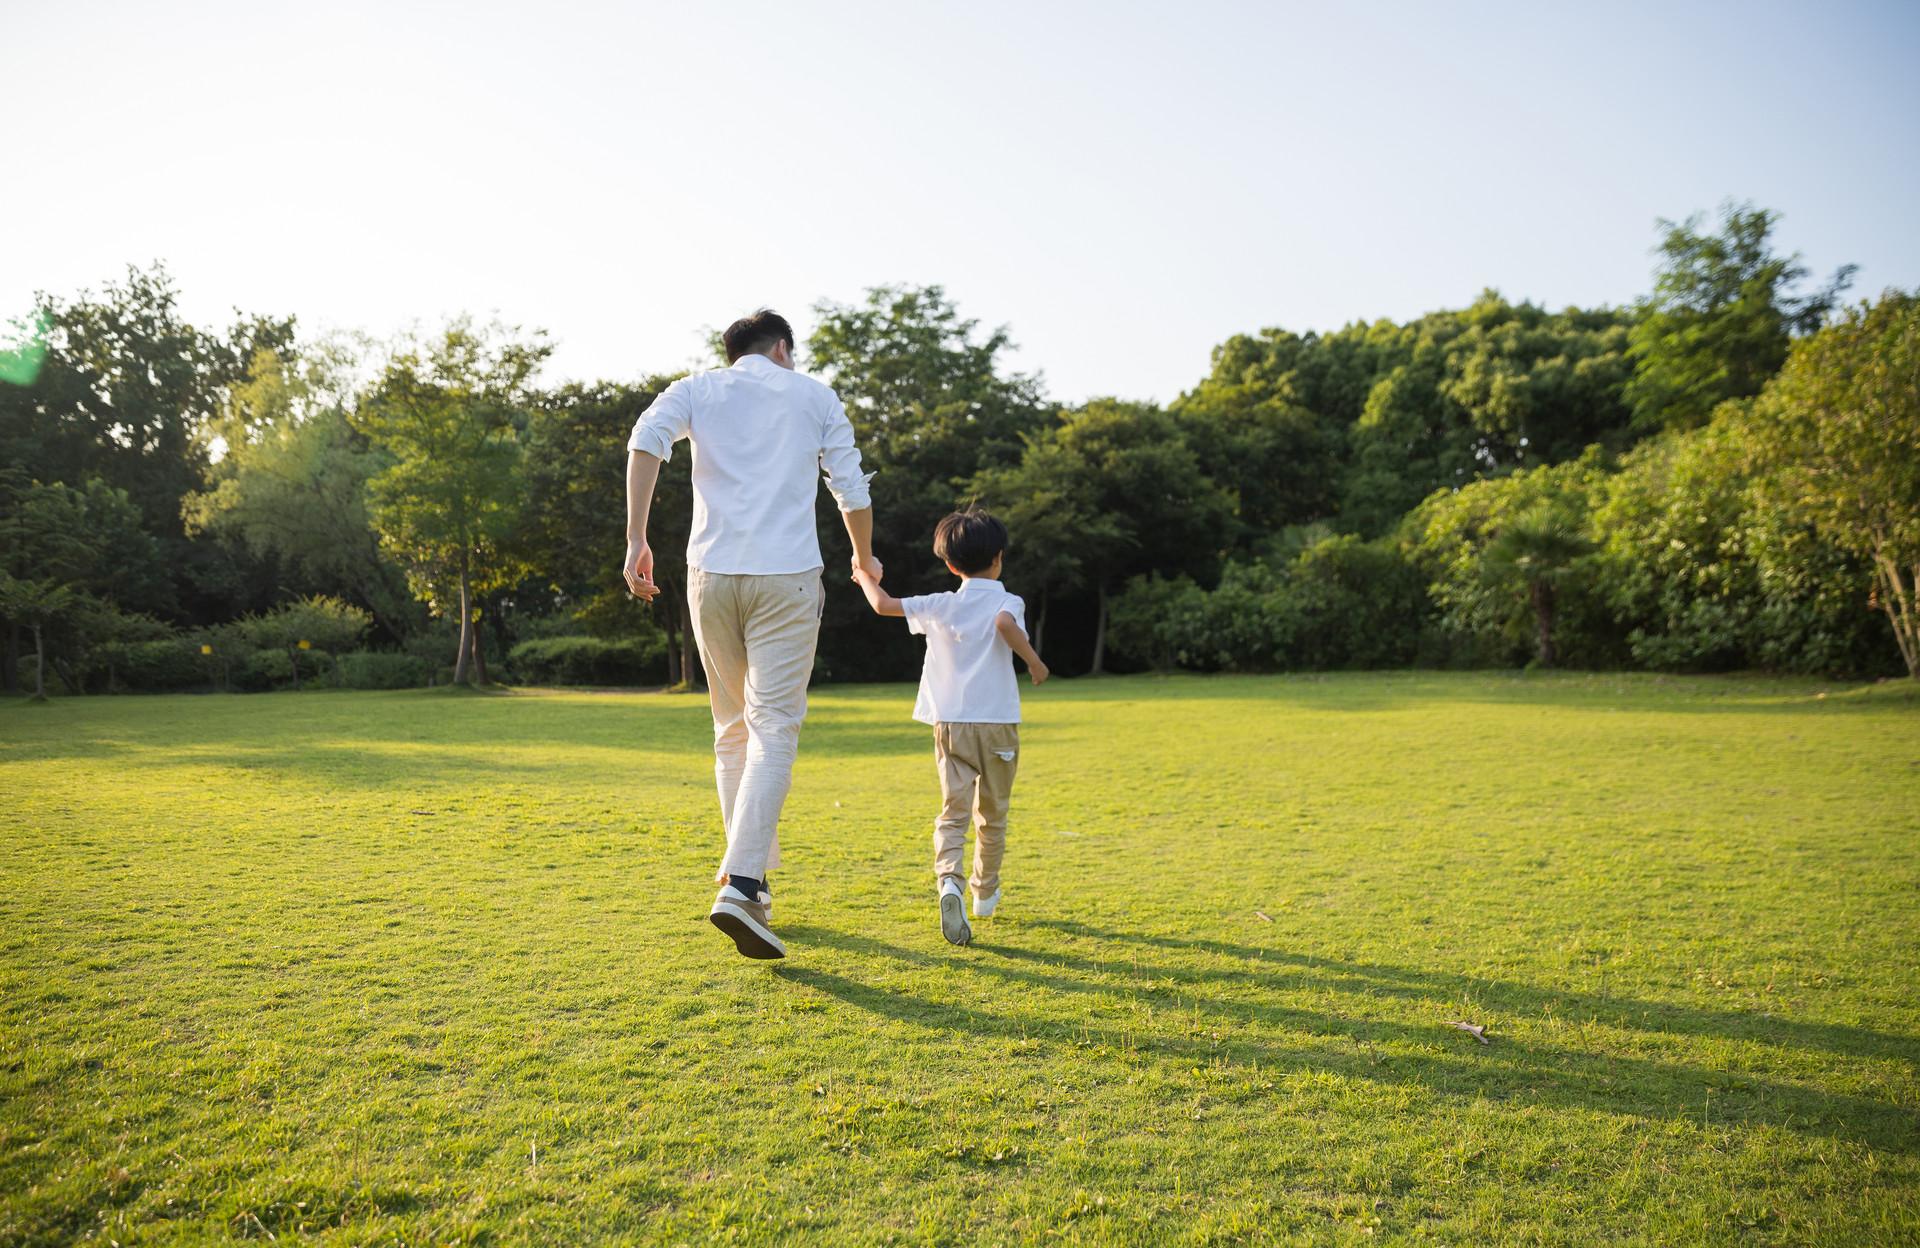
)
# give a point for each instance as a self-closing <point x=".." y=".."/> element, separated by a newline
<point x="968" y="676"/>
<point x="760" y="433"/>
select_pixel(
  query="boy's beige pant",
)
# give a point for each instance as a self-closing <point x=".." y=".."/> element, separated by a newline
<point x="976" y="762"/>
<point x="757" y="636"/>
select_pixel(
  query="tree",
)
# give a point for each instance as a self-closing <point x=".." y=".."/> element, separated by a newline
<point x="292" y="481"/>
<point x="445" y="410"/>
<point x="36" y="604"/>
<point x="575" y="514"/>
<point x="1535" y="552"/>
<point x="1838" y="435"/>
<point x="125" y="389"/>
<point x="318" y="622"/>
<point x="1130" y="497"/>
<point x="931" y="406"/>
<point x="1720" y="317"/>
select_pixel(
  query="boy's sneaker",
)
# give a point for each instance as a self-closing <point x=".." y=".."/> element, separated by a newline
<point x="983" y="907"/>
<point x="746" y="920"/>
<point x="953" y="913"/>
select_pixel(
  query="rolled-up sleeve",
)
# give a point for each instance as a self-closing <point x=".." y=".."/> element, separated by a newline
<point x="664" y="422"/>
<point x="840" y="459"/>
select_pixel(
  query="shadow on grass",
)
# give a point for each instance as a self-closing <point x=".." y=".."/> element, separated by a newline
<point x="1505" y="1071"/>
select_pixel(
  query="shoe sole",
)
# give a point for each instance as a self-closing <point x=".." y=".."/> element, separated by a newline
<point x="753" y="940"/>
<point x="953" y="920"/>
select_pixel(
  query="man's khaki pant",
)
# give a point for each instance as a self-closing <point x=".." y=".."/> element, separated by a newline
<point x="756" y="636"/>
<point x="976" y="762"/>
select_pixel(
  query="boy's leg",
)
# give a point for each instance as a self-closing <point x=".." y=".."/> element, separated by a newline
<point x="958" y="779"/>
<point x="713" y="602"/>
<point x="780" y="620"/>
<point x="999" y="755"/>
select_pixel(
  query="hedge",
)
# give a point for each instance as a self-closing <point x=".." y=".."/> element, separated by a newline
<point x="588" y="661"/>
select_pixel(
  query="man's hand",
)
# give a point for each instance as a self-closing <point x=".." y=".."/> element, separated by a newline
<point x="638" y="570"/>
<point x="1039" y="671"/>
<point x="870" y="568"/>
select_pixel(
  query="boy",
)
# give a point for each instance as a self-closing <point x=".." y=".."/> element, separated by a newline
<point x="971" y="697"/>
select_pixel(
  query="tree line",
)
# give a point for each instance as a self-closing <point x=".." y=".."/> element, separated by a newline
<point x="1725" y="474"/>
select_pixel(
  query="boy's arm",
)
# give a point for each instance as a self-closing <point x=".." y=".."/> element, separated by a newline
<point x="879" y="599"/>
<point x="1016" y="637"/>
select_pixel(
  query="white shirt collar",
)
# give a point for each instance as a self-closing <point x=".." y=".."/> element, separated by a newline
<point x="753" y="359"/>
<point x="980" y="582"/>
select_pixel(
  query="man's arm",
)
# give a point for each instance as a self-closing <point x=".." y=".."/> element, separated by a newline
<point x="879" y="599"/>
<point x="643" y="473"/>
<point x="1016" y="637"/>
<point x="860" y="532"/>
<point x="840" y="460"/>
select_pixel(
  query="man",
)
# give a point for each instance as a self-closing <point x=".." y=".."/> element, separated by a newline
<point x="760" y="431"/>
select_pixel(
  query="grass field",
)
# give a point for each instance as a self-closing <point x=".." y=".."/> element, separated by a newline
<point x="428" y="968"/>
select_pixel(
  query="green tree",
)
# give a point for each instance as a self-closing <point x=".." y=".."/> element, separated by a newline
<point x="932" y="405"/>
<point x="446" y="411"/>
<point x="1720" y="318"/>
<point x="1130" y="495"/>
<point x="318" y="623"/>
<point x="576" y="440"/>
<point x="1838" y="433"/>
<point x="1534" y="552"/>
<point x="36" y="604"/>
<point x="125" y="390"/>
<point x="292" y="481"/>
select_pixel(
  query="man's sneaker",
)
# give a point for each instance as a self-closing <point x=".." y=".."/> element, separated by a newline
<point x="766" y="895"/>
<point x="983" y="907"/>
<point x="953" y="913"/>
<point x="746" y="921"/>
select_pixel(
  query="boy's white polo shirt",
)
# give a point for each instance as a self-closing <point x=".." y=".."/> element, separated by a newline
<point x="968" y="677"/>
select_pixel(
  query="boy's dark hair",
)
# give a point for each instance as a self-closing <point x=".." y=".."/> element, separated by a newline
<point x="970" y="540"/>
<point x="752" y="334"/>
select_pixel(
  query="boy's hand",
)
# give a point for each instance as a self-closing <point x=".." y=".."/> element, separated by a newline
<point x="1039" y="672"/>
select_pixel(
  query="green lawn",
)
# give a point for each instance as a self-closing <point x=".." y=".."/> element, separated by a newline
<point x="425" y="968"/>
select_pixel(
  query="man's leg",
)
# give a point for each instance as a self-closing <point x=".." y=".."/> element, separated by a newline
<point x="714" y="604"/>
<point x="999" y="755"/>
<point x="781" y="624"/>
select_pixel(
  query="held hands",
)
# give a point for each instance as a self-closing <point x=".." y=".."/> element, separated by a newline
<point x="871" y="570"/>
<point x="638" y="570"/>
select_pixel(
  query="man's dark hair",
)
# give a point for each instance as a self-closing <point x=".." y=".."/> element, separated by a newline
<point x="757" y="333"/>
<point x="970" y="540"/>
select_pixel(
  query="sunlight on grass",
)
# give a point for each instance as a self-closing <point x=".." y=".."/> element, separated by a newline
<point x="370" y="967"/>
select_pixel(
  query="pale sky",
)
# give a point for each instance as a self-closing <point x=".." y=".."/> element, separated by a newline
<point x="1124" y="184"/>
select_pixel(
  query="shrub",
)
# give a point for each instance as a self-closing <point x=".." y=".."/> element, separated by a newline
<point x="370" y="670"/>
<point x="161" y="666"/>
<point x="589" y="661"/>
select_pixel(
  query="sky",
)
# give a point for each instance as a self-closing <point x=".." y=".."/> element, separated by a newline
<point x="1124" y="185"/>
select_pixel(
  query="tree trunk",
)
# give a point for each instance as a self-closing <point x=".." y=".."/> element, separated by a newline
<point x="39" y="666"/>
<point x="1100" y="637"/>
<point x="1897" y="600"/>
<point x="1040" y="623"/>
<point x="479" y="660"/>
<point x="10" y="665"/>
<point x="694" y="671"/>
<point x="670" y="625"/>
<point x="293" y="657"/>
<point x="466" y="625"/>
<point x="1543" y="616"/>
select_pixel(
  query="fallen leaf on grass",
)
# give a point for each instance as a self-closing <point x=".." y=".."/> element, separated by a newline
<point x="1263" y="916"/>
<point x="1476" y="1030"/>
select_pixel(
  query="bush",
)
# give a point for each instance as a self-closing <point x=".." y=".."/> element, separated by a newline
<point x="161" y="666"/>
<point x="589" y="661"/>
<point x="1341" y="602"/>
<point x="370" y="670"/>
